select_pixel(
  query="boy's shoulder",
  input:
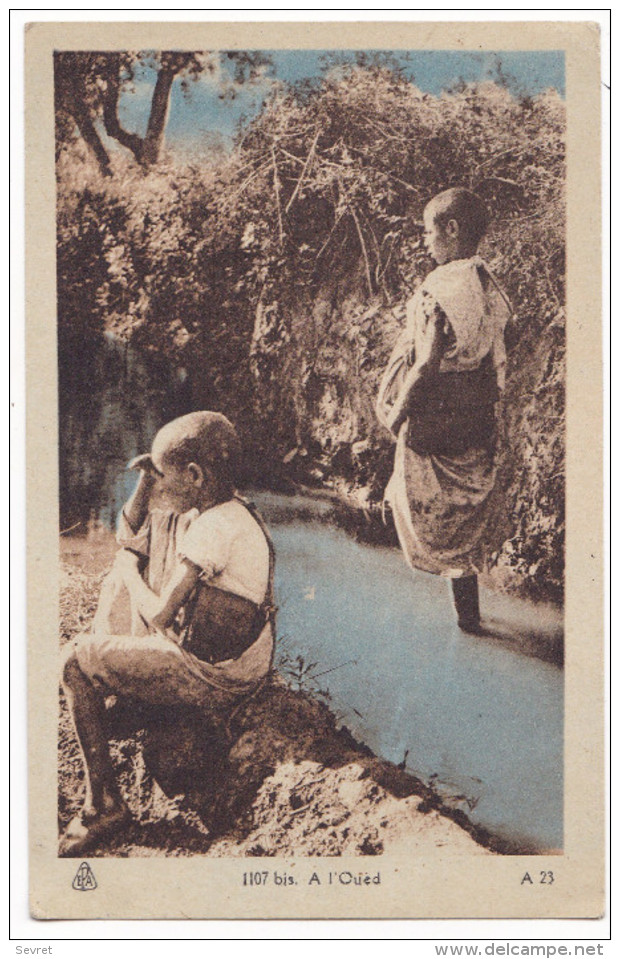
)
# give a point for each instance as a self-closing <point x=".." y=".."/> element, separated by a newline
<point x="456" y="286"/>
<point x="450" y="275"/>
<point x="229" y="515"/>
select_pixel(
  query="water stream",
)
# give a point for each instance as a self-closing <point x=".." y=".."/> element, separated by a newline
<point x="483" y="722"/>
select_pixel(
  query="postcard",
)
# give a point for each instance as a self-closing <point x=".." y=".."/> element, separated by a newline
<point x="314" y="470"/>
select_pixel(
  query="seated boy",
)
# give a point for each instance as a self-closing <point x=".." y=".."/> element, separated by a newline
<point x="199" y="576"/>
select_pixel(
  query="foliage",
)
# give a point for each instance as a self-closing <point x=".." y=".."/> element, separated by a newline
<point x="277" y="275"/>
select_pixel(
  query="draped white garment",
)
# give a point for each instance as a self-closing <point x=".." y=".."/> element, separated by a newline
<point x="441" y="503"/>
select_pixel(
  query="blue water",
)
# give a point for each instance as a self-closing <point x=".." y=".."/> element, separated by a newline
<point x="482" y="722"/>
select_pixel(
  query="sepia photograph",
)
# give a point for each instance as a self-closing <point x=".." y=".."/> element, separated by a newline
<point x="310" y="397"/>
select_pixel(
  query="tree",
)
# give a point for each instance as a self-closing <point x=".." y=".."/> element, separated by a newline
<point x="88" y="88"/>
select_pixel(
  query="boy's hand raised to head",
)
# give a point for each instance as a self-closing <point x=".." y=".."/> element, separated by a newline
<point x="136" y="508"/>
<point x="145" y="464"/>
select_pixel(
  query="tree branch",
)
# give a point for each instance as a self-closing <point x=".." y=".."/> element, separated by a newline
<point x="383" y="132"/>
<point x="81" y="114"/>
<point x="160" y="105"/>
<point x="331" y="233"/>
<point x="364" y="251"/>
<point x="303" y="172"/>
<point x="259" y="169"/>
<point x="498" y="156"/>
<point x="276" y="186"/>
<point x="500" y="179"/>
<point x="291" y="156"/>
<point x="71" y="96"/>
<point x="111" y="120"/>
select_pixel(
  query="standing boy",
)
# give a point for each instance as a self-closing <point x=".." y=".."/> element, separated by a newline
<point x="439" y="397"/>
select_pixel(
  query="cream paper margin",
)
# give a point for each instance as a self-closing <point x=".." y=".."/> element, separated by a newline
<point x="446" y="885"/>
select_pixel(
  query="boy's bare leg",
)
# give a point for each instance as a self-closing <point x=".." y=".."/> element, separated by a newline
<point x="104" y="806"/>
<point x="467" y="604"/>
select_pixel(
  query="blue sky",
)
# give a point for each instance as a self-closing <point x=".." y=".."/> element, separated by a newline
<point x="204" y="112"/>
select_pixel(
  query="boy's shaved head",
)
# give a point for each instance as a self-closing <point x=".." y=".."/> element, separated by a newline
<point x="465" y="207"/>
<point x="205" y="438"/>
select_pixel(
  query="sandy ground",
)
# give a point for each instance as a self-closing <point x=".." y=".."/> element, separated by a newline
<point x="287" y="781"/>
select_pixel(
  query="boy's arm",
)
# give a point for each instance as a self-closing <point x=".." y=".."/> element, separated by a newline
<point x="183" y="582"/>
<point x="395" y="371"/>
<point x="428" y="357"/>
<point x="160" y="611"/>
<point x="137" y="506"/>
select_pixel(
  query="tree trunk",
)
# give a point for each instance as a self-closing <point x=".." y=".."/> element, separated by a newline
<point x="110" y="115"/>
<point x="146" y="150"/>
<point x="160" y="106"/>
<point x="76" y="106"/>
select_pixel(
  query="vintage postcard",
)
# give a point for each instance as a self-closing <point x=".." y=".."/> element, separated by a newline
<point x="314" y="470"/>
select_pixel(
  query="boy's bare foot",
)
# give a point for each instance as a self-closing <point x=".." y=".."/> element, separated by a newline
<point x="87" y="828"/>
